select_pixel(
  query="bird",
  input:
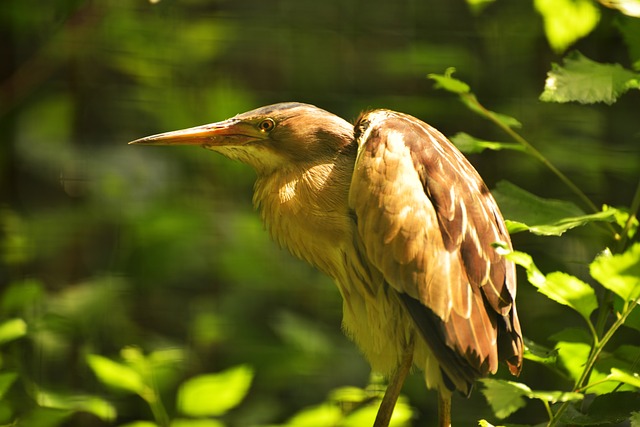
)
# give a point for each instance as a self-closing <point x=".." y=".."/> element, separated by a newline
<point x="401" y="221"/>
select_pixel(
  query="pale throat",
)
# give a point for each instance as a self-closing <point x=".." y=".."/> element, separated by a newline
<point x="305" y="210"/>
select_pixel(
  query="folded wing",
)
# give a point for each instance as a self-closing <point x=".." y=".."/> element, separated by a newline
<point x="427" y="221"/>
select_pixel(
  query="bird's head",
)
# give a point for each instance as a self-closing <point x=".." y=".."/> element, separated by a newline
<point x="268" y="138"/>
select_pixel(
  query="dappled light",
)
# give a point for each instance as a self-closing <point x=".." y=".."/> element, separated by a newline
<point x="138" y="285"/>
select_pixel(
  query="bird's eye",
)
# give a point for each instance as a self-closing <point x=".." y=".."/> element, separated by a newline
<point x="266" y="125"/>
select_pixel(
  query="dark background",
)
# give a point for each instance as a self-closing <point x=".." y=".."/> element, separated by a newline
<point x="106" y="245"/>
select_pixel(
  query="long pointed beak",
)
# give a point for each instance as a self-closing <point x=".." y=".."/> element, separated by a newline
<point x="228" y="132"/>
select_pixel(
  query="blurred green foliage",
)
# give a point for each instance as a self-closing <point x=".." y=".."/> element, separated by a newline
<point x="147" y="269"/>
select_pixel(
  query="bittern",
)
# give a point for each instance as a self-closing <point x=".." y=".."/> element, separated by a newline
<point x="401" y="221"/>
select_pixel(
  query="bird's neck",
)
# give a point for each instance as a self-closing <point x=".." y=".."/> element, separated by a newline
<point x="305" y="209"/>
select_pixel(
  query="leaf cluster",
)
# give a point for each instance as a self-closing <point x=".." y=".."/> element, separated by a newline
<point x="578" y="355"/>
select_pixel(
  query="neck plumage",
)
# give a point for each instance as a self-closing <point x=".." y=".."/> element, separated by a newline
<point x="306" y="208"/>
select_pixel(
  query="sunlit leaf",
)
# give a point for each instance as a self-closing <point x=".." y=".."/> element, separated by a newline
<point x="619" y="273"/>
<point x="547" y="217"/>
<point x="558" y="286"/>
<point x="365" y="416"/>
<point x="504" y="397"/>
<point x="469" y="144"/>
<point x="535" y="276"/>
<point x="12" y="329"/>
<point x="214" y="394"/>
<point x="622" y="217"/>
<point x="349" y="395"/>
<point x="556" y="396"/>
<point x="116" y="375"/>
<point x="478" y="6"/>
<point x="95" y="405"/>
<point x="186" y="422"/>
<point x="566" y="21"/>
<point x="569" y="290"/>
<point x="573" y="346"/>
<point x="448" y="83"/>
<point x="633" y="319"/>
<point x="631" y="378"/>
<point x="583" y="80"/>
<point x="140" y="424"/>
<point x="320" y="415"/>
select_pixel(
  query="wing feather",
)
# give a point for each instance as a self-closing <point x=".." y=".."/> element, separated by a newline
<point x="427" y="222"/>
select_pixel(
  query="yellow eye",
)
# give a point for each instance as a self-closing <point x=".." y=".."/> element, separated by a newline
<point x="266" y="125"/>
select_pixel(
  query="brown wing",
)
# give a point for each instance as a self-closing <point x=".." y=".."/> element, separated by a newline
<point x="427" y="222"/>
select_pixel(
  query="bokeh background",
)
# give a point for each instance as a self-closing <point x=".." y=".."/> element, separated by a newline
<point x="106" y="245"/>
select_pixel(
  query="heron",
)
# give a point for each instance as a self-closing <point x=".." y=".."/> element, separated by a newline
<point x="402" y="222"/>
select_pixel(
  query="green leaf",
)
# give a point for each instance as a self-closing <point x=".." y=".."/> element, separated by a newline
<point x="635" y="419"/>
<point x="633" y="379"/>
<point x="567" y="21"/>
<point x="504" y="397"/>
<point x="214" y="394"/>
<point x="448" y="83"/>
<point x="619" y="273"/>
<point x="630" y="30"/>
<point x="538" y="353"/>
<point x="558" y="286"/>
<point x="349" y="395"/>
<point x="622" y="217"/>
<point x="573" y="346"/>
<point x="583" y="80"/>
<point x="6" y="381"/>
<point x="140" y="424"/>
<point x="469" y="144"/>
<point x="45" y="417"/>
<point x="12" y="329"/>
<point x="116" y="375"/>
<point x="569" y="290"/>
<point x="321" y="415"/>
<point x="606" y="409"/>
<point x="478" y="6"/>
<point x="546" y="217"/>
<point x="97" y="406"/>
<point x="633" y="319"/>
<point x="556" y="396"/>
<point x="472" y="103"/>
<point x="186" y="422"/>
<point x="365" y="416"/>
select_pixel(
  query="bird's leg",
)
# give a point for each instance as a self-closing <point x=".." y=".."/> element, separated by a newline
<point x="394" y="387"/>
<point x="444" y="409"/>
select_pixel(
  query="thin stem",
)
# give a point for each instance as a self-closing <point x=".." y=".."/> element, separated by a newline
<point x="157" y="408"/>
<point x="633" y="214"/>
<point x="548" y="408"/>
<point x="603" y="313"/>
<point x="593" y="357"/>
<point x="533" y="151"/>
